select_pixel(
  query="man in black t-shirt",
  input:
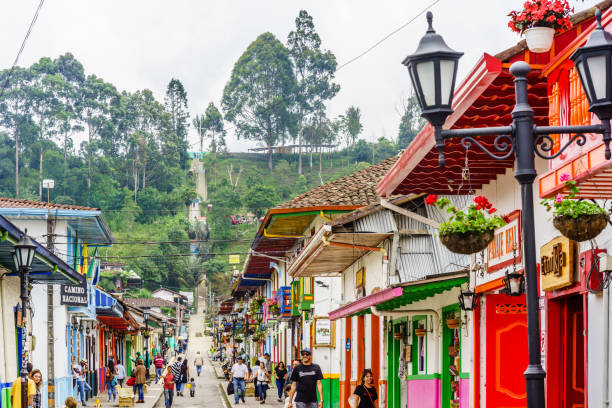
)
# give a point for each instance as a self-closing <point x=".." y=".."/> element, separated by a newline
<point x="306" y="380"/>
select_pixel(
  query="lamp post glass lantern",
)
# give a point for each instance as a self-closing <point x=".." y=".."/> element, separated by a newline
<point x="514" y="283"/>
<point x="429" y="68"/>
<point x="23" y="256"/>
<point x="433" y="69"/>
<point x="467" y="300"/>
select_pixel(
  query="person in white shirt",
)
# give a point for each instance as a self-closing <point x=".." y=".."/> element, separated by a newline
<point x="263" y="377"/>
<point x="239" y="374"/>
<point x="119" y="373"/>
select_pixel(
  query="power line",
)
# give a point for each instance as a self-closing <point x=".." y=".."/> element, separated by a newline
<point x="23" y="43"/>
<point x="194" y="241"/>
<point x="387" y="36"/>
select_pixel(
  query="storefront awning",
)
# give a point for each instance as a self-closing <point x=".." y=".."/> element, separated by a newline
<point x="365" y="302"/>
<point x="396" y="297"/>
<point x="329" y="253"/>
<point x="114" y="322"/>
<point x="415" y="291"/>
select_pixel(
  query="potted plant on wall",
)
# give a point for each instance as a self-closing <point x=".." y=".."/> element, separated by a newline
<point x="539" y="20"/>
<point x="577" y="219"/>
<point x="469" y="231"/>
<point x="274" y="308"/>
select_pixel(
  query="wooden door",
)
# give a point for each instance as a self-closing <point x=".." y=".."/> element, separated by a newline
<point x="573" y="353"/>
<point x="506" y="351"/>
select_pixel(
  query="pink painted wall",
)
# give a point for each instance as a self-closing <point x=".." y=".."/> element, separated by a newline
<point x="464" y="392"/>
<point x="424" y="393"/>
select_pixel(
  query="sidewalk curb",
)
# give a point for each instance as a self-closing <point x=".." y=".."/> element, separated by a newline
<point x="224" y="396"/>
<point x="219" y="377"/>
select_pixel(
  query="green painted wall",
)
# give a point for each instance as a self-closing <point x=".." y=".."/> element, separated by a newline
<point x="393" y="382"/>
<point x="331" y="392"/>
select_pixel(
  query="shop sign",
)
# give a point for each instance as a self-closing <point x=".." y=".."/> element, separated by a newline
<point x="324" y="332"/>
<point x="74" y="295"/>
<point x="557" y="263"/>
<point x="500" y="252"/>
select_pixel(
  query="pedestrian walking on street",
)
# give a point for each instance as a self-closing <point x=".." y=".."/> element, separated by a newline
<point x="83" y="387"/>
<point x="176" y="372"/>
<point x="119" y="373"/>
<point x="110" y="383"/>
<point x="288" y="381"/>
<point x="239" y="374"/>
<point x="36" y="376"/>
<point x="140" y="377"/>
<point x="365" y="393"/>
<point x="263" y="379"/>
<point x="254" y="378"/>
<point x="198" y="362"/>
<point x="168" y="388"/>
<point x="281" y="375"/>
<point x="184" y="377"/>
<point x="158" y="362"/>
<point x="192" y="387"/>
<point x="306" y="381"/>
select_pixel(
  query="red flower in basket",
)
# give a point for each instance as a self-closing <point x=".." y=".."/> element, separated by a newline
<point x="431" y="199"/>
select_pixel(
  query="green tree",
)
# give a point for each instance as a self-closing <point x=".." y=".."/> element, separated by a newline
<point x="176" y="106"/>
<point x="95" y="104"/>
<point x="314" y="71"/>
<point x="259" y="199"/>
<point x="411" y="122"/>
<point x="225" y="202"/>
<point x="15" y="108"/>
<point x="213" y="126"/>
<point x="362" y="151"/>
<point x="352" y="125"/>
<point x="259" y="93"/>
<point x="383" y="149"/>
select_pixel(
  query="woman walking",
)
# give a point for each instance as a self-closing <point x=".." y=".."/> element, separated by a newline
<point x="365" y="393"/>
<point x="184" y="377"/>
<point x="140" y="379"/>
<point x="281" y="374"/>
<point x="110" y="382"/>
<point x="263" y="378"/>
<point x="36" y="376"/>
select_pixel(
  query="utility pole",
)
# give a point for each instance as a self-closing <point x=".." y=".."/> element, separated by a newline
<point x="50" y="320"/>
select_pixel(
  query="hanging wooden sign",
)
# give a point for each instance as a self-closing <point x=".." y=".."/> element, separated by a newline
<point x="500" y="251"/>
<point x="557" y="263"/>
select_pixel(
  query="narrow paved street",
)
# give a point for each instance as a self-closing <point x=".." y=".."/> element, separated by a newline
<point x="207" y="392"/>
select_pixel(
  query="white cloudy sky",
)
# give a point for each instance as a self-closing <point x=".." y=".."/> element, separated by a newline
<point x="138" y="44"/>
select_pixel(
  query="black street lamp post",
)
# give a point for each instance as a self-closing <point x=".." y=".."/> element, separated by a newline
<point x="146" y="316"/>
<point x="164" y="326"/>
<point x="23" y="258"/>
<point x="433" y="69"/>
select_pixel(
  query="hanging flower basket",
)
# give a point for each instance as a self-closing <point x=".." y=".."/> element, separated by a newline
<point x="539" y="39"/>
<point x="539" y="20"/>
<point x="398" y="335"/>
<point x="581" y="228"/>
<point x="452" y="323"/>
<point x="467" y="243"/>
<point x="579" y="220"/>
<point x="420" y="332"/>
<point x="237" y="340"/>
<point x="453" y="351"/>
<point x="469" y="231"/>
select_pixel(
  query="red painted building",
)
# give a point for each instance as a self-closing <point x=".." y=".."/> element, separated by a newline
<point x="499" y="335"/>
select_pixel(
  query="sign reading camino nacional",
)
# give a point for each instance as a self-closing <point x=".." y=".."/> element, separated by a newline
<point x="74" y="295"/>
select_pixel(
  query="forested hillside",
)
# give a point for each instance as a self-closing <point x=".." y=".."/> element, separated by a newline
<point x="127" y="153"/>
